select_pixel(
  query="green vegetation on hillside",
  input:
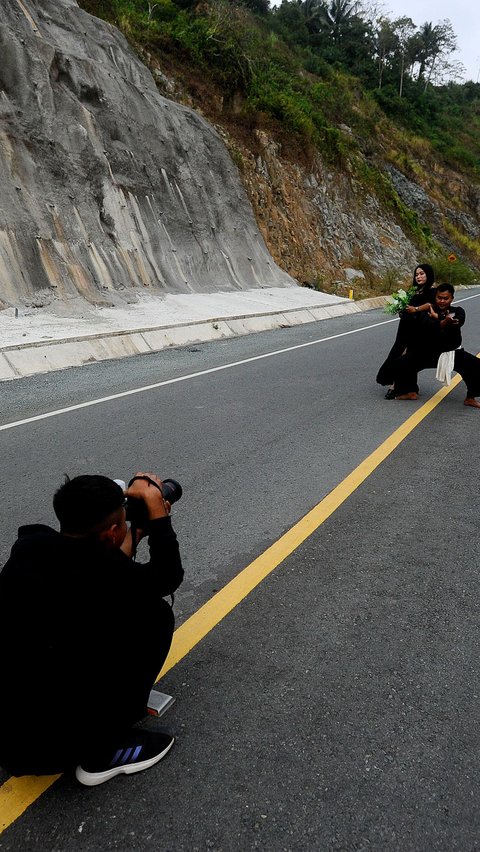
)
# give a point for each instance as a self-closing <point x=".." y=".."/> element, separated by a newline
<point x="333" y="78"/>
<point x="296" y="62"/>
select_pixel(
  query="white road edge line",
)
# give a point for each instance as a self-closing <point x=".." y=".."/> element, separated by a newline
<point x="188" y="376"/>
<point x="182" y="378"/>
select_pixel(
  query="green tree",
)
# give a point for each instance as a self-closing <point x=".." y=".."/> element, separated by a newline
<point x="259" y="7"/>
<point x="336" y="17"/>
<point x="312" y="13"/>
<point x="435" y="43"/>
<point x="386" y="46"/>
<point x="404" y="28"/>
<point x="289" y="20"/>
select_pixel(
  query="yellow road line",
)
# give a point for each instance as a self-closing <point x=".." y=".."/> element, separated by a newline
<point x="192" y="631"/>
<point x="17" y="794"/>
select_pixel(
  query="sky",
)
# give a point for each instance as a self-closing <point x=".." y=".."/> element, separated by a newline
<point x="464" y="16"/>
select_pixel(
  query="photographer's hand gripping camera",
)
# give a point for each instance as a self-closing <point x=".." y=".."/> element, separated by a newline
<point x="137" y="512"/>
<point x="137" y="515"/>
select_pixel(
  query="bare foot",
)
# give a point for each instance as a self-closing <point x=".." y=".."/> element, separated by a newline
<point x="411" y="395"/>
<point x="470" y="400"/>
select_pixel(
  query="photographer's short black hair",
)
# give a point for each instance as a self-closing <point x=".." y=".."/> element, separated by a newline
<point x="442" y="287"/>
<point x="82" y="504"/>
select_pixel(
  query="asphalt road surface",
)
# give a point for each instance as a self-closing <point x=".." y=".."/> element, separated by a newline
<point x="336" y="707"/>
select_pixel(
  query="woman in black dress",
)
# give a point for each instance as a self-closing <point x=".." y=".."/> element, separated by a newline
<point x="424" y="284"/>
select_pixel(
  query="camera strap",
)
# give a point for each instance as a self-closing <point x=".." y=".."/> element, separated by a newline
<point x="147" y="479"/>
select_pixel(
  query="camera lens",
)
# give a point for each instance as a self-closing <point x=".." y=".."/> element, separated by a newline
<point x="171" y="490"/>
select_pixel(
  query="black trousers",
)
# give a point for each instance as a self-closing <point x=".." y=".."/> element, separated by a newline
<point x="54" y="736"/>
<point x="406" y="334"/>
<point x="407" y="367"/>
<point x="385" y="375"/>
<point x="468" y="366"/>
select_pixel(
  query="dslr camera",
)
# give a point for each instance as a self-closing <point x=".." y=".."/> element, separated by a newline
<point x="137" y="513"/>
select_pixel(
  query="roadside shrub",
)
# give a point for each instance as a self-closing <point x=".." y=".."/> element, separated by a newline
<point x="454" y="273"/>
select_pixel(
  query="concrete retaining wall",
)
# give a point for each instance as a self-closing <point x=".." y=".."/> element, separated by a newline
<point x="43" y="357"/>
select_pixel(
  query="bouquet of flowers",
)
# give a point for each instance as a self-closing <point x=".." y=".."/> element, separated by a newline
<point x="398" y="301"/>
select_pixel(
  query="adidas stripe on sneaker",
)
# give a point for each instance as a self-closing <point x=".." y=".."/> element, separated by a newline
<point x="137" y="750"/>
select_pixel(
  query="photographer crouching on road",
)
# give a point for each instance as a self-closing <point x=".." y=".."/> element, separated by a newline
<point x="85" y="631"/>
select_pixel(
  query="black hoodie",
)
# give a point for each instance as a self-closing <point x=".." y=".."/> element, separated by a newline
<point x="74" y="619"/>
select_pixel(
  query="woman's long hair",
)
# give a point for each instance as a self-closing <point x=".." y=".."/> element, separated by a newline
<point x="428" y="270"/>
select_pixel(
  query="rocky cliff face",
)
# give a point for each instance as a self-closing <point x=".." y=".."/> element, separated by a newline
<point x="107" y="185"/>
<point x="322" y="225"/>
<point x="319" y="223"/>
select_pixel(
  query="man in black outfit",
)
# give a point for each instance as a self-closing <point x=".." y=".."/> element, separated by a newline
<point x="81" y="621"/>
<point x="438" y="331"/>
